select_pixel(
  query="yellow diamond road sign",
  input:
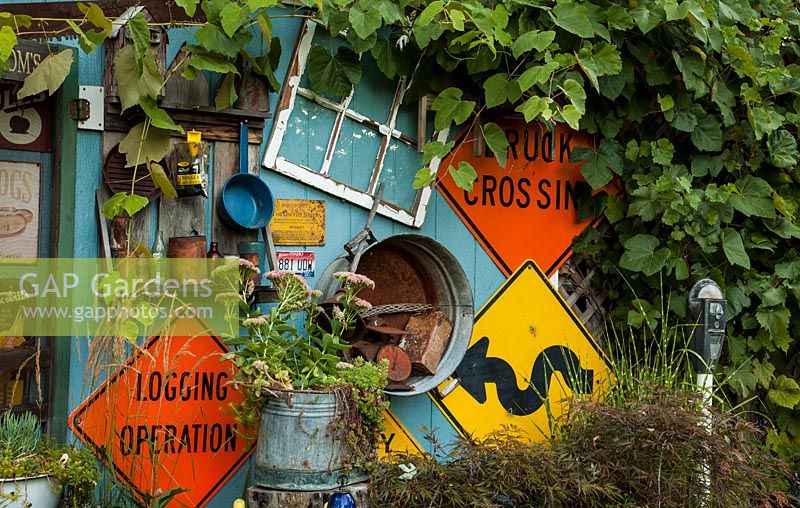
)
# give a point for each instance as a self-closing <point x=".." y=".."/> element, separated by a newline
<point x="396" y="438"/>
<point x="528" y="351"/>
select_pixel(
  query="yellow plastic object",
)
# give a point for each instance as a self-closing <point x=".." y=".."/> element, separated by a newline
<point x="239" y="503"/>
<point x="193" y="138"/>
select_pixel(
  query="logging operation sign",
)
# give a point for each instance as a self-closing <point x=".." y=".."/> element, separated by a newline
<point x="163" y="419"/>
<point x="527" y="350"/>
<point x="537" y="192"/>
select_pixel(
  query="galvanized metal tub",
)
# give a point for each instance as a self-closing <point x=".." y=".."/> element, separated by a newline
<point x="296" y="449"/>
<point x="415" y="269"/>
<point x="29" y="492"/>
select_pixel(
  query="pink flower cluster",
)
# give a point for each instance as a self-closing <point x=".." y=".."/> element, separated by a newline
<point x="355" y="279"/>
<point x="361" y="303"/>
<point x="248" y="265"/>
<point x="255" y="321"/>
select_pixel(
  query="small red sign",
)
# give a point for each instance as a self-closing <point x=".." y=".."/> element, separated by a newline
<point x="529" y="209"/>
<point x="163" y="420"/>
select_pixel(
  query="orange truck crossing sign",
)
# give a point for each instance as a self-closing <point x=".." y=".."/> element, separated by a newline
<point x="163" y="419"/>
<point x="529" y="209"/>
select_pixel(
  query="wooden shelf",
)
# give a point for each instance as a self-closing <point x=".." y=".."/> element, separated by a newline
<point x="11" y="359"/>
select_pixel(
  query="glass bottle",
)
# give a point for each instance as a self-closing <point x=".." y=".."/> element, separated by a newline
<point x="213" y="252"/>
<point x="159" y="249"/>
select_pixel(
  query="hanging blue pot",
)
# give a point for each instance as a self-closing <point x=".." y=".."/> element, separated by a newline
<point x="341" y="500"/>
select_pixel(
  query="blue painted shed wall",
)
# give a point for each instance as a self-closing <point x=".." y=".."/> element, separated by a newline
<point x="343" y="221"/>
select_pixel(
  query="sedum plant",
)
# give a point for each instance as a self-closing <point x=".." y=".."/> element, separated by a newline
<point x="298" y="344"/>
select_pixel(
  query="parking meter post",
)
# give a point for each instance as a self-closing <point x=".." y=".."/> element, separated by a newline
<point x="709" y="307"/>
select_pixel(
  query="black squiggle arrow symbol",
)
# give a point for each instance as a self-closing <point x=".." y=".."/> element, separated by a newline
<point x="475" y="370"/>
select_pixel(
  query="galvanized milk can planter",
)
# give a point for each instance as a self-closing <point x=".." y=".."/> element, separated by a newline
<point x="320" y="410"/>
<point x="300" y="446"/>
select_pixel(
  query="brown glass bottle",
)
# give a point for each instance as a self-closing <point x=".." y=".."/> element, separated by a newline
<point x="213" y="252"/>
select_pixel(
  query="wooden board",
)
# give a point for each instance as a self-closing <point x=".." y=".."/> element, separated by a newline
<point x="226" y="163"/>
<point x="180" y="216"/>
<point x="140" y="230"/>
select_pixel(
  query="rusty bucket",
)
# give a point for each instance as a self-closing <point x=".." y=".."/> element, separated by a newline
<point x="413" y="270"/>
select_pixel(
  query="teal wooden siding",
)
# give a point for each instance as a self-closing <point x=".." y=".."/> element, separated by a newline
<point x="311" y="124"/>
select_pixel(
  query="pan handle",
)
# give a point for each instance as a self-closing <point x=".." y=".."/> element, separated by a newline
<point x="243" y="162"/>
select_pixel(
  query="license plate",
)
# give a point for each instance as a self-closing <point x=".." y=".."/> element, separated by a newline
<point x="299" y="262"/>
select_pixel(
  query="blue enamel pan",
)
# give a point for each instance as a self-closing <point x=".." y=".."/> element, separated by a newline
<point x="245" y="201"/>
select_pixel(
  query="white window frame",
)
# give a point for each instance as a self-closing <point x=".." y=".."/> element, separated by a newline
<point x="319" y="178"/>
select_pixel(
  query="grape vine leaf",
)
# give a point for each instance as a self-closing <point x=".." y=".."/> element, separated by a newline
<point x="158" y="117"/>
<point x="501" y="88"/>
<point x="733" y="247"/>
<point x="48" y="75"/>
<point x="152" y="148"/>
<point x="160" y="178"/>
<point x="497" y="141"/>
<point x="423" y="178"/>
<point x="784" y="392"/>
<point x="573" y="18"/>
<point x="189" y="6"/>
<point x="643" y="255"/>
<point x="8" y="39"/>
<point x="123" y="202"/>
<point x="450" y="108"/>
<point x="364" y="19"/>
<point x="336" y="74"/>
<point x="532" y="40"/>
<point x="753" y="197"/>
<point x="464" y="176"/>
<point x="776" y="321"/>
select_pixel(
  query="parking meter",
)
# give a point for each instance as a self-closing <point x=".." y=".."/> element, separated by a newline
<point x="709" y="308"/>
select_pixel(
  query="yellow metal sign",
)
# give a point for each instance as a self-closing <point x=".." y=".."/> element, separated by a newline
<point x="528" y="352"/>
<point x="298" y="222"/>
<point x="396" y="438"/>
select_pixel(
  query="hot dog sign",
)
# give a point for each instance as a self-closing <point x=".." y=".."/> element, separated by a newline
<point x="19" y="209"/>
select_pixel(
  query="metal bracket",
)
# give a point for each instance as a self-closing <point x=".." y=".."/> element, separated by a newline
<point x="89" y="108"/>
